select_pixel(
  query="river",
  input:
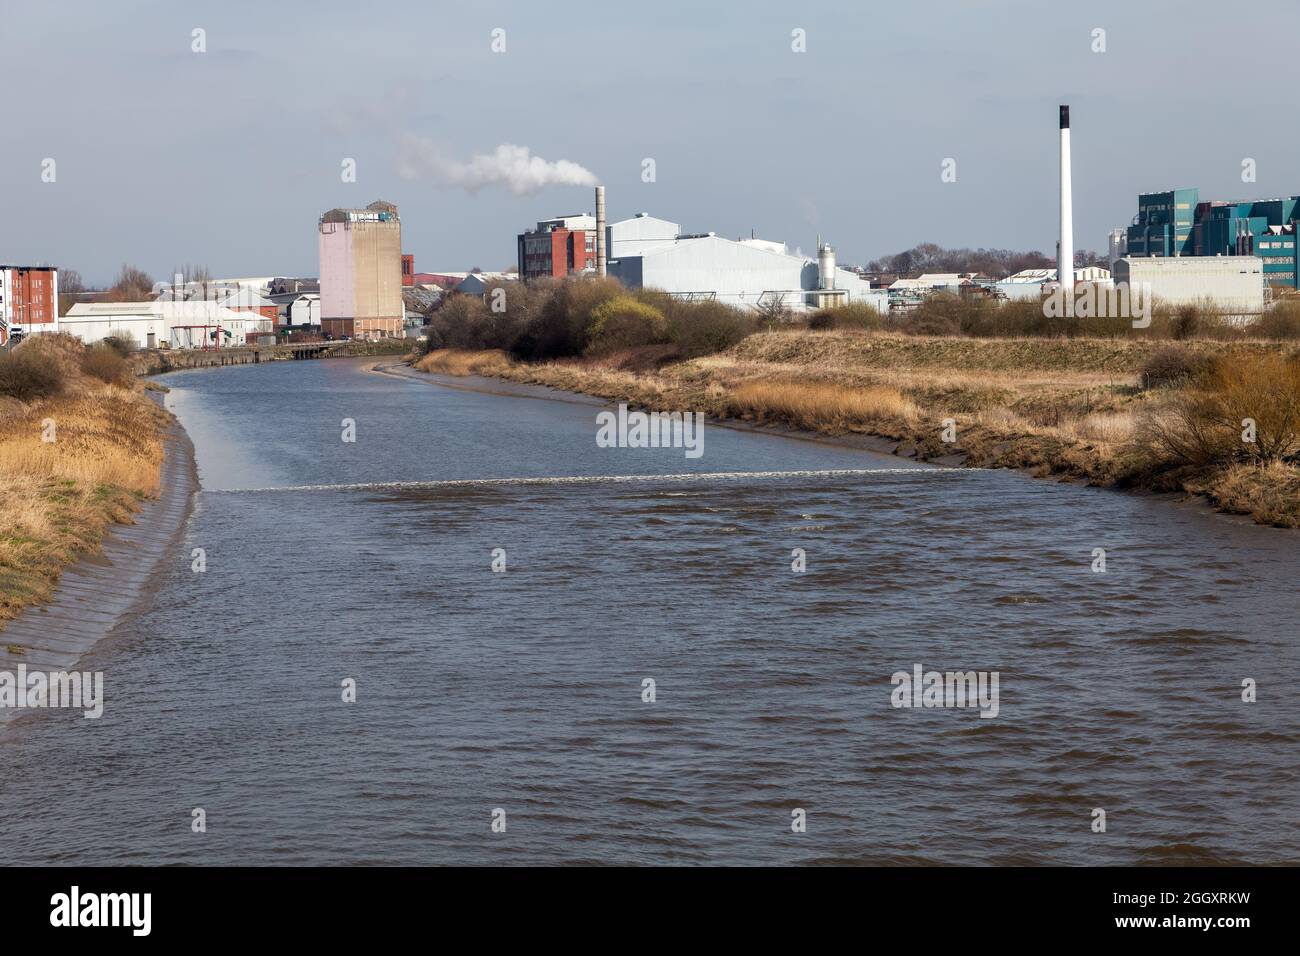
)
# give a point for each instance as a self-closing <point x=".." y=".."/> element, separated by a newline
<point x="522" y="690"/>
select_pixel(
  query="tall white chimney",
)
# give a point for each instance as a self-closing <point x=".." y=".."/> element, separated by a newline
<point x="1065" y="248"/>
<point x="600" y="231"/>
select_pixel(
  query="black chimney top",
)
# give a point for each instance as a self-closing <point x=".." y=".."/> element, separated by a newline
<point x="1065" y="117"/>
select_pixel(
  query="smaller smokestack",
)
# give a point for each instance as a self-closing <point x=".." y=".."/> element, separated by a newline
<point x="600" y="231"/>
<point x="1065" y="247"/>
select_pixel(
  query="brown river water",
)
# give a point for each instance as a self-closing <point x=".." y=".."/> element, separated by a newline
<point x="521" y="691"/>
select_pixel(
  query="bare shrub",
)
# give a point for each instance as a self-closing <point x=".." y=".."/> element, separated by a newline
<point x="938" y="314"/>
<point x="1172" y="366"/>
<point x="123" y="343"/>
<point x="703" y="328"/>
<point x="774" y="313"/>
<point x="29" y="374"/>
<point x="851" y="315"/>
<point x="1282" y="321"/>
<point x="106" y="364"/>
<point x="1207" y="425"/>
<point x="1187" y="322"/>
<point x="1266" y="390"/>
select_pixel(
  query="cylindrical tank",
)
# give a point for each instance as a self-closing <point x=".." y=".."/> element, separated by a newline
<point x="825" y="267"/>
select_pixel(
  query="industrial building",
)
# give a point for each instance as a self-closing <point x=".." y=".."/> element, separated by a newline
<point x="1178" y="223"/>
<point x="1029" y="283"/>
<point x="1231" y="285"/>
<point x="187" y="324"/>
<point x="744" y="272"/>
<point x="631" y="237"/>
<point x="29" y="300"/>
<point x="567" y="245"/>
<point x="361" y="277"/>
<point x="558" y="247"/>
<point x="476" y="283"/>
<point x="652" y="253"/>
<point x="303" y="311"/>
<point x="285" y="293"/>
<point x="951" y="282"/>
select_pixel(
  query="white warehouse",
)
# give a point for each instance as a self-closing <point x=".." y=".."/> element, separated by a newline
<point x="182" y="325"/>
<point x="631" y="237"/>
<point x="1233" y="285"/>
<point x="747" y="272"/>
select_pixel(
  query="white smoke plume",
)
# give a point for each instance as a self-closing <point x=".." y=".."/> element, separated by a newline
<point x="513" y="167"/>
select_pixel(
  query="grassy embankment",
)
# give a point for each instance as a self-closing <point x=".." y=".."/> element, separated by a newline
<point x="1161" y="409"/>
<point x="57" y="498"/>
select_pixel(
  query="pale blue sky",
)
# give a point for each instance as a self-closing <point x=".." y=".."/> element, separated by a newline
<point x="227" y="158"/>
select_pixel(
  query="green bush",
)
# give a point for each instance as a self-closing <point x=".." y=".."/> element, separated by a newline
<point x="544" y="320"/>
<point x="561" y="326"/>
<point x="625" y="322"/>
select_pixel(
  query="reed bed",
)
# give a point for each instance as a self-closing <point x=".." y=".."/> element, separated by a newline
<point x="72" y="463"/>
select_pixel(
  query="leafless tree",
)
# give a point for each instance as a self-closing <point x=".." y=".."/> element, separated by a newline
<point x="131" y="285"/>
<point x="70" y="288"/>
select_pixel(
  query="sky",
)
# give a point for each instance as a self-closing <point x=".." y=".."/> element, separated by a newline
<point x="226" y="158"/>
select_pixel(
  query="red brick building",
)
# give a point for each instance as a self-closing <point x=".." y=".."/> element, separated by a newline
<point x="29" y="300"/>
<point x="558" y="247"/>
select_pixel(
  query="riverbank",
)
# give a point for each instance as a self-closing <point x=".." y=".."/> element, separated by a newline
<point x="1108" y="412"/>
<point x="81" y="452"/>
<point x="159" y="361"/>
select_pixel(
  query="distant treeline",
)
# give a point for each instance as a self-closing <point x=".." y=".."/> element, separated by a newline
<point x="996" y="263"/>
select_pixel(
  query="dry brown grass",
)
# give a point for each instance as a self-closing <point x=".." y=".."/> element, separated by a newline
<point x="58" y="498"/>
<point x="819" y="406"/>
<point x="106" y="437"/>
<point x="1110" y="428"/>
<point x="1268" y="493"/>
<point x="455" y="362"/>
<point x="1072" y="408"/>
<point x="890" y="350"/>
